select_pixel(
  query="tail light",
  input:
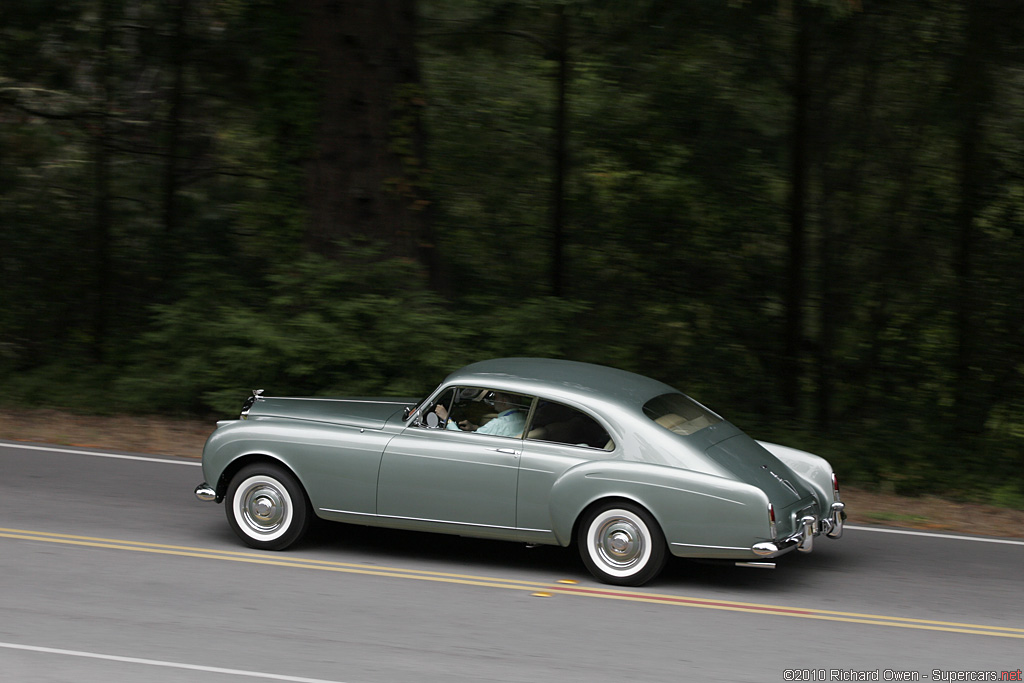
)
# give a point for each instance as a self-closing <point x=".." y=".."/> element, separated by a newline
<point x="771" y="519"/>
<point x="835" y="488"/>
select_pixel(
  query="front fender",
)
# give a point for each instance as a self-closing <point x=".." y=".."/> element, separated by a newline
<point x="230" y="443"/>
<point x="337" y="465"/>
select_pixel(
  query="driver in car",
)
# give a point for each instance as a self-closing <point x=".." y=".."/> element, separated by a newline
<point x="510" y="420"/>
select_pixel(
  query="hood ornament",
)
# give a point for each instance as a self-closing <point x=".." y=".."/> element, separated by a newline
<point x="257" y="395"/>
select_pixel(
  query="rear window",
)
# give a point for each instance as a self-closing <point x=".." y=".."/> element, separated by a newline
<point x="679" y="414"/>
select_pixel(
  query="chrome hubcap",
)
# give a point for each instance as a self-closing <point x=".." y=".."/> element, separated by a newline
<point x="263" y="508"/>
<point x="619" y="543"/>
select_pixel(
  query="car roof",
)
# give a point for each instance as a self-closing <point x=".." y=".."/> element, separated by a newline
<point x="564" y="378"/>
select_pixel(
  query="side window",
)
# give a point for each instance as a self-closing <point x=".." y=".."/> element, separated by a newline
<point x="559" y="423"/>
<point x="431" y="417"/>
<point x="482" y="410"/>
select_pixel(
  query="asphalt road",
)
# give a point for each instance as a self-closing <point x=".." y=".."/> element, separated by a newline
<point x="111" y="570"/>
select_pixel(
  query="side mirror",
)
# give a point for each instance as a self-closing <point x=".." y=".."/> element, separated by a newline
<point x="433" y="420"/>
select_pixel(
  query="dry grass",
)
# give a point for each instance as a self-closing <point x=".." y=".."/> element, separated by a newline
<point x="932" y="513"/>
<point x="155" y="435"/>
<point x="163" y="436"/>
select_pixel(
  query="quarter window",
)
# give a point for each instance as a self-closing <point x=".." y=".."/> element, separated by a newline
<point x="557" y="423"/>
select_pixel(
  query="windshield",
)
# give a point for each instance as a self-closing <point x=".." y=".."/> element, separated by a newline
<point x="679" y="414"/>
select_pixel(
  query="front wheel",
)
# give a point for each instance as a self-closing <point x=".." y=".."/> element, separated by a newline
<point x="267" y="507"/>
<point x="621" y="544"/>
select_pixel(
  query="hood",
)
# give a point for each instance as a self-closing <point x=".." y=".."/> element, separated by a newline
<point x="367" y="413"/>
<point x="751" y="463"/>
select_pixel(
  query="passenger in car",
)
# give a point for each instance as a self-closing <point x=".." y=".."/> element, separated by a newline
<point x="510" y="420"/>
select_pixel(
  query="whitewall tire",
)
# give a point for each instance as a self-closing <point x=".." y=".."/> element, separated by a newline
<point x="621" y="544"/>
<point x="267" y="507"/>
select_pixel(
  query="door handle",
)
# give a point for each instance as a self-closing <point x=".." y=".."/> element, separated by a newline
<point x="507" y="451"/>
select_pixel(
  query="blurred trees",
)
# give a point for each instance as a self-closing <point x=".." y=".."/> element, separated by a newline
<point x="365" y="175"/>
<point x="808" y="214"/>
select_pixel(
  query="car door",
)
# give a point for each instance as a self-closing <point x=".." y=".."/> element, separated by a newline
<point x="451" y="475"/>
<point x="560" y="437"/>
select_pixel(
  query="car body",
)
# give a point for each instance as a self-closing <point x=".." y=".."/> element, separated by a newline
<point x="538" y="451"/>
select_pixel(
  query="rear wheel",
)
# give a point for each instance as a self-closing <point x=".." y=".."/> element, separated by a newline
<point x="267" y="507"/>
<point x="621" y="544"/>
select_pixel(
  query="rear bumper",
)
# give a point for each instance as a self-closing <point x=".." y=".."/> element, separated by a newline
<point x="808" y="527"/>
<point x="833" y="526"/>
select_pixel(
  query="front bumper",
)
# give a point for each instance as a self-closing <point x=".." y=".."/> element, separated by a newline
<point x="808" y="526"/>
<point x="205" y="492"/>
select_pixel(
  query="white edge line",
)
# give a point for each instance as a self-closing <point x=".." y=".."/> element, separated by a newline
<point x="173" y="665"/>
<point x="905" y="532"/>
<point x="97" y="454"/>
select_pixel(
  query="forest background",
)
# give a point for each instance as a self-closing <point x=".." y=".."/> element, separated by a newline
<point x="808" y="215"/>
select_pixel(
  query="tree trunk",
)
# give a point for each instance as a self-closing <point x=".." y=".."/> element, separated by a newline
<point x="366" y="177"/>
<point x="561" y="153"/>
<point x="101" y="240"/>
<point x="972" y="92"/>
<point x="169" y="256"/>
<point x="795" y="287"/>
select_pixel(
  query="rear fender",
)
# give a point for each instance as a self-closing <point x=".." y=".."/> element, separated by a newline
<point x="693" y="509"/>
<point x="813" y="469"/>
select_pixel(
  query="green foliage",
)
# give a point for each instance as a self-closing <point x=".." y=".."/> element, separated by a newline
<point x="66" y="383"/>
<point x="546" y="327"/>
<point x="316" y="327"/>
<point x="1008" y="496"/>
<point x="677" y="221"/>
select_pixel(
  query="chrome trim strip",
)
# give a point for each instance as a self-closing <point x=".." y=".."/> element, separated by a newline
<point x="433" y="521"/>
<point x="347" y="512"/>
<point x="444" y="458"/>
<point x="533" y="469"/>
<point x="335" y="400"/>
<point x="446" y="521"/>
<point x="716" y="547"/>
<point x="662" y="486"/>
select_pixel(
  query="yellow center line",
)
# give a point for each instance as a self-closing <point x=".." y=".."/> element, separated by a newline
<point x="253" y="558"/>
<point x="539" y="587"/>
<point x="808" y="613"/>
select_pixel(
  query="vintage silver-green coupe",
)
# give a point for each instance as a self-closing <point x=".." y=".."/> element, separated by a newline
<point x="532" y="450"/>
